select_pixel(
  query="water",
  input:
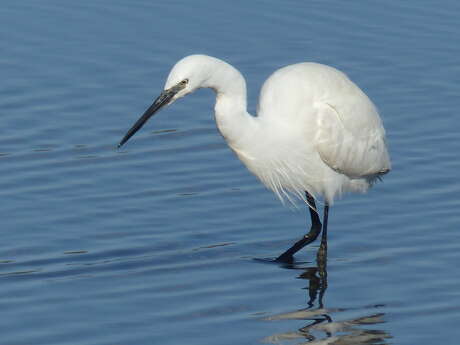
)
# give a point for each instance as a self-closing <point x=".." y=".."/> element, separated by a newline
<point x="154" y="244"/>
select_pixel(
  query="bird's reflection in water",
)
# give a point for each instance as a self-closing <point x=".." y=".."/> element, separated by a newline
<point x="320" y="327"/>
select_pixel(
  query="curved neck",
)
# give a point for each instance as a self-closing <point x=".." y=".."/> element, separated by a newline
<point x="232" y="118"/>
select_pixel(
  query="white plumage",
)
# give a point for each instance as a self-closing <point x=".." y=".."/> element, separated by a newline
<point x="333" y="140"/>
<point x="315" y="130"/>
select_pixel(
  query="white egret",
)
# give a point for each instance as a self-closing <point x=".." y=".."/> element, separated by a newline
<point x="316" y="134"/>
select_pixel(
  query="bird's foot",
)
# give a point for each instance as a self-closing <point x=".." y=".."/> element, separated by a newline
<point x="285" y="258"/>
<point x="284" y="261"/>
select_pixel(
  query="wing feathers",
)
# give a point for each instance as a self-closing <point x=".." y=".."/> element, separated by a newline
<point x="353" y="146"/>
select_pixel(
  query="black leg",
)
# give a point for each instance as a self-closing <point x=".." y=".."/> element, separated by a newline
<point x="322" y="252"/>
<point x="309" y="237"/>
<point x="321" y="257"/>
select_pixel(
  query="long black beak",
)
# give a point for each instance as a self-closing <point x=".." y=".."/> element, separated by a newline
<point x="162" y="100"/>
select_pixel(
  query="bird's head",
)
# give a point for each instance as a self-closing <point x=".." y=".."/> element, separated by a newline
<point x="186" y="76"/>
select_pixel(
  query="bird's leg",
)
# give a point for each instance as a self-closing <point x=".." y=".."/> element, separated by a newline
<point x="309" y="237"/>
<point x="322" y="251"/>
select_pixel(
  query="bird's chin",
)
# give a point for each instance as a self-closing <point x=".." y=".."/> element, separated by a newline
<point x="178" y="95"/>
<point x="172" y="100"/>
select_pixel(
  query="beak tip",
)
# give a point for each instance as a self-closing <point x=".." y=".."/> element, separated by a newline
<point x="161" y="101"/>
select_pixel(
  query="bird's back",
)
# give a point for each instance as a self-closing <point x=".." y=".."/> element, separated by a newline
<point x="294" y="90"/>
<point x="325" y="126"/>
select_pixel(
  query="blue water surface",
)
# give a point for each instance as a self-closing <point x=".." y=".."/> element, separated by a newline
<point x="155" y="243"/>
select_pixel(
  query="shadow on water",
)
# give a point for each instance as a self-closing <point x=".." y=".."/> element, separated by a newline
<point x="325" y="325"/>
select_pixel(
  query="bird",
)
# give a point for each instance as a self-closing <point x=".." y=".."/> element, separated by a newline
<point x="315" y="137"/>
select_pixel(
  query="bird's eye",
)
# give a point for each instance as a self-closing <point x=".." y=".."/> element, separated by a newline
<point x="184" y="82"/>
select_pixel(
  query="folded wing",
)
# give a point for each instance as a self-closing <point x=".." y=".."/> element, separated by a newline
<point x="351" y="139"/>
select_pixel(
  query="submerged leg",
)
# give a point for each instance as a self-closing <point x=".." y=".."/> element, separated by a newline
<point x="322" y="252"/>
<point x="309" y="237"/>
